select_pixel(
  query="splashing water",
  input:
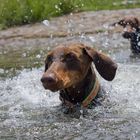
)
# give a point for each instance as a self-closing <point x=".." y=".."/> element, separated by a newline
<point x="25" y="87"/>
<point x="28" y="111"/>
<point x="46" y="22"/>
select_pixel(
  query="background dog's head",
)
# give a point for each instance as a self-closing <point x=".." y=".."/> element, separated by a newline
<point x="131" y="21"/>
<point x="130" y="24"/>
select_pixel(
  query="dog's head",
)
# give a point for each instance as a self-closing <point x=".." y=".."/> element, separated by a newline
<point x="67" y="65"/>
<point x="129" y="21"/>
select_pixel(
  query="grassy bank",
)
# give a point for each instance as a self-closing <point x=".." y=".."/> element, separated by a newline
<point x="18" y="12"/>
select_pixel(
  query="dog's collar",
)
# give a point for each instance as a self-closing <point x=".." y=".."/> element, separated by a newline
<point x="92" y="94"/>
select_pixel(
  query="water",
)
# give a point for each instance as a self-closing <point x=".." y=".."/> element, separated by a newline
<point x="27" y="111"/>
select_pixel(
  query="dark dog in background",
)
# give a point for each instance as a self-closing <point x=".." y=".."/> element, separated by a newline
<point x="68" y="69"/>
<point x="131" y="27"/>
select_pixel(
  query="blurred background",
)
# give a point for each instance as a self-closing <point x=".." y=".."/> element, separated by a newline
<point x="19" y="12"/>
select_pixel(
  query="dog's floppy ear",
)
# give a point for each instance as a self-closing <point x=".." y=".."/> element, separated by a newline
<point x="104" y="65"/>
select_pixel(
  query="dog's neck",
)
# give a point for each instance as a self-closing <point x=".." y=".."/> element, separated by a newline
<point x="77" y="93"/>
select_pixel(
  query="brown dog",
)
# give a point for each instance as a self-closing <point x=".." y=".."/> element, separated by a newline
<point x="131" y="21"/>
<point x="131" y="31"/>
<point x="68" y="69"/>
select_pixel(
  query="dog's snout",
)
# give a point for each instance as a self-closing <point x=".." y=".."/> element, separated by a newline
<point x="50" y="79"/>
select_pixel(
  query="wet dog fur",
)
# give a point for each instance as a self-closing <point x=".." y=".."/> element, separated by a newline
<point x="68" y="70"/>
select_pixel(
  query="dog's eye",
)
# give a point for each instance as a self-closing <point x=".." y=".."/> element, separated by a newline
<point x="72" y="62"/>
<point x="70" y="57"/>
<point x="48" y="61"/>
<point x="49" y="58"/>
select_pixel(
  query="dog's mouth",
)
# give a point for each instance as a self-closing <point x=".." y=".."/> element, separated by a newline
<point x="51" y="88"/>
<point x="60" y="83"/>
<point x="56" y="87"/>
<point x="129" y="28"/>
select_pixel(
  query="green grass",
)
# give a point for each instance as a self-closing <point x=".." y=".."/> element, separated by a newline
<point x="19" y="12"/>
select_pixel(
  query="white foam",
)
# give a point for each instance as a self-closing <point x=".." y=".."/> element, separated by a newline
<point x="27" y="88"/>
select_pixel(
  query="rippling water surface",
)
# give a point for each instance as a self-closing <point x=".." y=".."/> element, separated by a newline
<point x="28" y="111"/>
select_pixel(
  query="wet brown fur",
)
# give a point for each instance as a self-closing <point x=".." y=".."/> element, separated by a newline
<point x="130" y="23"/>
<point x="68" y="70"/>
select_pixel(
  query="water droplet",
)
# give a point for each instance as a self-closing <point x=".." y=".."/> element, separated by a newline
<point x="48" y="48"/>
<point x="92" y="38"/>
<point x="71" y="14"/>
<point x="51" y="36"/>
<point x="38" y="56"/>
<point x="46" y="22"/>
<point x="138" y="43"/>
<point x="1" y="70"/>
<point x="24" y="54"/>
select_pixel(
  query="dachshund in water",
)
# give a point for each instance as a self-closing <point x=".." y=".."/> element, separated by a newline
<point x="69" y="69"/>
<point x="131" y="27"/>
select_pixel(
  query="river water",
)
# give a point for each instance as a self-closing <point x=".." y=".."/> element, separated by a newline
<point x="28" y="112"/>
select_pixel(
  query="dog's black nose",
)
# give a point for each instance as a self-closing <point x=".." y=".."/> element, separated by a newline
<point x="50" y="79"/>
